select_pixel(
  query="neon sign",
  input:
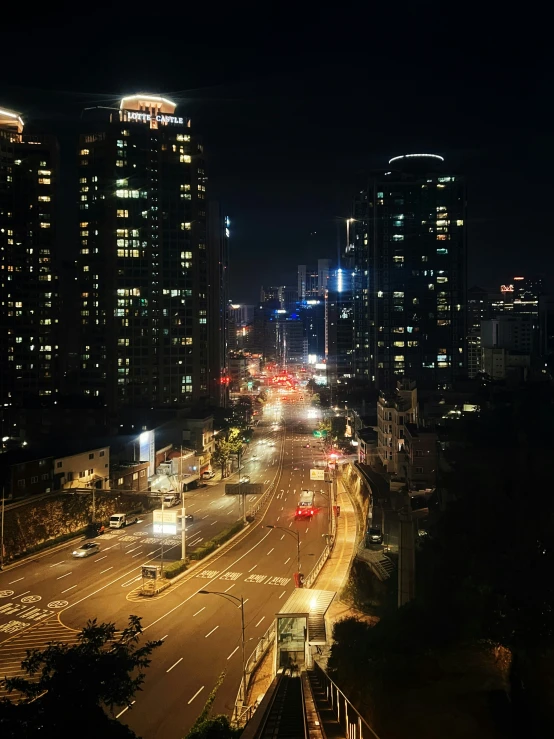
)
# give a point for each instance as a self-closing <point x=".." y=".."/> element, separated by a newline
<point x="506" y="288"/>
<point x="133" y="115"/>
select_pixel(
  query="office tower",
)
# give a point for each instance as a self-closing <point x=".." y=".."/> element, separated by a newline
<point x="218" y="337"/>
<point x="308" y="282"/>
<point x="417" y="273"/>
<point x="28" y="274"/>
<point x="507" y="345"/>
<point x="144" y="264"/>
<point x="479" y="309"/>
<point x="312" y="315"/>
<point x="272" y="296"/>
<point x="339" y="327"/>
<point x="323" y="270"/>
<point x="290" y="297"/>
<point x="357" y="253"/>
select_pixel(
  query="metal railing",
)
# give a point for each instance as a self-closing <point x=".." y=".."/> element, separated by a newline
<point x="353" y="725"/>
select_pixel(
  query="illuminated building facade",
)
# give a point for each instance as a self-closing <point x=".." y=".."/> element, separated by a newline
<point x="29" y="280"/>
<point x="417" y="273"/>
<point x="144" y="262"/>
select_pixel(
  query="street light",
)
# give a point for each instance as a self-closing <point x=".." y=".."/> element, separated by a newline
<point x="292" y="533"/>
<point x="241" y="606"/>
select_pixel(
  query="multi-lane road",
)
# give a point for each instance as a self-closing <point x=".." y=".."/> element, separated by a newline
<point x="53" y="596"/>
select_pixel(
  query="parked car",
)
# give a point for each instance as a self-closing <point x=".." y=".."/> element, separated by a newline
<point x="207" y="475"/>
<point x="374" y="536"/>
<point x="171" y="499"/>
<point x="85" y="550"/>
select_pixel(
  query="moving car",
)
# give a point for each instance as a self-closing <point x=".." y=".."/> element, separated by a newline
<point x="208" y="475"/>
<point x="85" y="550"/>
<point x="374" y="536"/>
<point x="254" y="457"/>
<point x="245" y="478"/>
<point x="305" y="506"/>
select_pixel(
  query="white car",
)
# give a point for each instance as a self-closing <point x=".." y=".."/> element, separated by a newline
<point x="85" y="550"/>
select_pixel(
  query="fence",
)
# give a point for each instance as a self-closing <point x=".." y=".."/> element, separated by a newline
<point x="353" y="725"/>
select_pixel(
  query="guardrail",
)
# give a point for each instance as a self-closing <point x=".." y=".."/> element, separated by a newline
<point x="353" y="725"/>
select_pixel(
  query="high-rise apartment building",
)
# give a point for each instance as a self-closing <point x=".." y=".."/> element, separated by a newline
<point x="218" y="336"/>
<point x="312" y="282"/>
<point x="417" y="273"/>
<point x="144" y="258"/>
<point x="28" y="274"/>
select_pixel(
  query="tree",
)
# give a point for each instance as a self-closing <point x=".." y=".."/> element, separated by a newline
<point x="68" y="687"/>
<point x="225" y="446"/>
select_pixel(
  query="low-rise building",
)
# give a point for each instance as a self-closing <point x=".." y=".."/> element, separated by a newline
<point x="198" y="434"/>
<point x="86" y="469"/>
<point x="419" y="463"/>
<point x="367" y="445"/>
<point x="393" y="412"/>
<point x="30" y="476"/>
<point x="130" y="477"/>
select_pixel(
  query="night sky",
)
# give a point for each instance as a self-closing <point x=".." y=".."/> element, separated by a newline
<point x="296" y="104"/>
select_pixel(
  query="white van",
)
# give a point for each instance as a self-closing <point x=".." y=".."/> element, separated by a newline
<point x="118" y="520"/>
<point x="171" y="499"/>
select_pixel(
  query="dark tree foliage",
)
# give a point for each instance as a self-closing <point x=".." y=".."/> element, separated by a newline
<point x="485" y="572"/>
<point x="68" y="688"/>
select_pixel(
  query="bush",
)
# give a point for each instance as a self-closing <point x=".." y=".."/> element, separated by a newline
<point x="174" y="568"/>
<point x="218" y="540"/>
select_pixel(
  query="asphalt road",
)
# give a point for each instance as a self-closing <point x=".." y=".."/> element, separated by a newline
<point x="200" y="633"/>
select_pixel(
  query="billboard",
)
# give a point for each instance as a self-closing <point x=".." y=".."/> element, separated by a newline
<point x="165" y="522"/>
<point x="147" y="450"/>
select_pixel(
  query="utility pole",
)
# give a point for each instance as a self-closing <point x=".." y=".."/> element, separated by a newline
<point x="183" y="528"/>
<point x="2" y="529"/>
<point x="163" y="534"/>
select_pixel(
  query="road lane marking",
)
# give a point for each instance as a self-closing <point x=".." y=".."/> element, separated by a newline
<point x="58" y="563"/>
<point x="284" y="591"/>
<point x="288" y="560"/>
<point x="200" y="611"/>
<point x="132" y="550"/>
<point x="101" y="558"/>
<point x="243" y="602"/>
<point x="68" y="589"/>
<point x="259" y="622"/>
<point x="229" y="588"/>
<point x="206" y="516"/>
<point x="164" y="637"/>
<point x="138" y="554"/>
<point x="270" y="551"/>
<point x="62" y="576"/>
<point x="109" y="568"/>
<point x="182" y="603"/>
<point x="252" y="568"/>
<point x="130" y="582"/>
<point x="20" y="594"/>
<point x="106" y="550"/>
<point x="18" y="580"/>
<point x="213" y="524"/>
<point x="175" y="665"/>
<point x="125" y="709"/>
<point x="214" y="629"/>
<point x="233" y="652"/>
<point x="195" y="695"/>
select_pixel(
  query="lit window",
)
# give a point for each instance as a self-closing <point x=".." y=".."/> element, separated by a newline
<point x="45" y="225"/>
<point x="43" y="180"/>
<point x="398" y="237"/>
<point x="123" y="214"/>
<point x="84" y="152"/>
<point x="185" y="158"/>
<point x="459" y="222"/>
<point x="44" y="198"/>
<point x="380" y="294"/>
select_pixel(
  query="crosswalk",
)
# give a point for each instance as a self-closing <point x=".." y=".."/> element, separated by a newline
<point x="14" y="649"/>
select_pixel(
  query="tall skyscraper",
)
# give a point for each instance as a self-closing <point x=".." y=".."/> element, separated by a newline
<point x="144" y="263"/>
<point x="28" y="274"/>
<point x="417" y="273"/>
<point x="218" y="338"/>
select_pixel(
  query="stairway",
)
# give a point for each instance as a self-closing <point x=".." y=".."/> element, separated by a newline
<point x="331" y="727"/>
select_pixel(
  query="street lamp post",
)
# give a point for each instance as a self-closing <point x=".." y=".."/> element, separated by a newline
<point x="240" y="601"/>
<point x="292" y="533"/>
<point x="183" y="527"/>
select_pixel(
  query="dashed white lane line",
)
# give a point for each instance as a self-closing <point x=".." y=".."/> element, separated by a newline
<point x="243" y="602"/>
<point x="175" y="665"/>
<point x="18" y="580"/>
<point x="164" y="637"/>
<point x="125" y="709"/>
<point x="282" y="537"/>
<point x="259" y="622"/>
<point x="233" y="652"/>
<point x="270" y="551"/>
<point x="195" y="695"/>
<point x="106" y="550"/>
<point x="229" y="588"/>
<point x="200" y="611"/>
<point x="20" y="594"/>
<point x="288" y="560"/>
<point x="58" y="563"/>
<point x="213" y="524"/>
<point x="62" y="576"/>
<point x="109" y="568"/>
<point x="212" y="631"/>
<point x="101" y="558"/>
<point x="132" y="550"/>
<point x="68" y="589"/>
<point x="138" y="554"/>
<point x="284" y="591"/>
<point x="206" y="516"/>
<point x="252" y="568"/>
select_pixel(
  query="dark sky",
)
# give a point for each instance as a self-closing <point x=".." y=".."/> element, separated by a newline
<point x="296" y="103"/>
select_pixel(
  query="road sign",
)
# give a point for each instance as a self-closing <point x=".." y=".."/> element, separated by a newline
<point x="317" y="474"/>
<point x="320" y="434"/>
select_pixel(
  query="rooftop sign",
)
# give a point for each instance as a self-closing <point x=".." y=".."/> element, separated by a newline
<point x="133" y="115"/>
